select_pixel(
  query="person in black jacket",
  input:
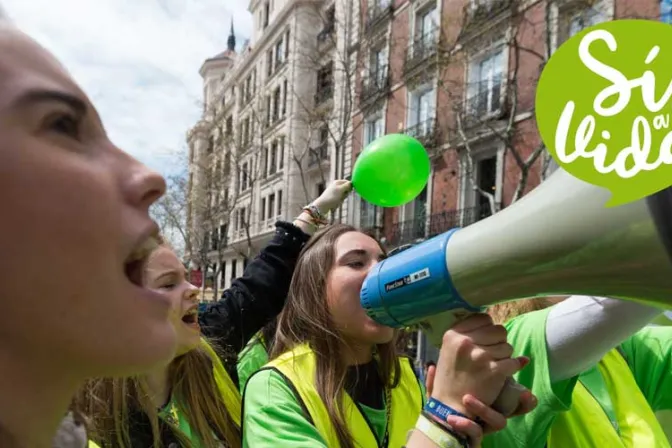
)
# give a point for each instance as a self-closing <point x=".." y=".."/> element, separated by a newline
<point x="194" y="401"/>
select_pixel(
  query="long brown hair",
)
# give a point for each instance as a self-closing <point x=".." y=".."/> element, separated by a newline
<point x="306" y="319"/>
<point x="110" y="403"/>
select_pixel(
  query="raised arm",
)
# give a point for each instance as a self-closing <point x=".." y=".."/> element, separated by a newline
<point x="259" y="295"/>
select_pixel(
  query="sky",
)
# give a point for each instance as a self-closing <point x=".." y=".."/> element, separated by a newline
<point x="138" y="60"/>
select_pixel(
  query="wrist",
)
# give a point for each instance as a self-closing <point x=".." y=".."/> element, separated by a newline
<point x="449" y="402"/>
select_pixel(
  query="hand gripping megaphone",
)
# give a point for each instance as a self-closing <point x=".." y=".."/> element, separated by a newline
<point x="557" y="240"/>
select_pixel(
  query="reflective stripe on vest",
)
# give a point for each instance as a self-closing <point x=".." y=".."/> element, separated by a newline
<point x="298" y="366"/>
<point x="227" y="389"/>
<point x="587" y="425"/>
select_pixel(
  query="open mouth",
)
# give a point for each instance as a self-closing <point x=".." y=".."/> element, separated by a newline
<point x="191" y="318"/>
<point x="133" y="267"/>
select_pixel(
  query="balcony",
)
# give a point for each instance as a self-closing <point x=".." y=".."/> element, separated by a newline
<point x="427" y="133"/>
<point x="418" y="229"/>
<point x="485" y="103"/>
<point x="421" y="53"/>
<point x="375" y="86"/>
<point x="378" y="14"/>
<point x="486" y="10"/>
<point x="318" y="155"/>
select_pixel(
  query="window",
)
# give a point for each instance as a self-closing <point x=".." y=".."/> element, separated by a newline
<point x="287" y="45"/>
<point x="279" y="53"/>
<point x="281" y="155"/>
<point x="268" y="110"/>
<point x="263" y="209"/>
<point x="223" y="234"/>
<point x="229" y="126"/>
<point x="285" y="86"/>
<point x="378" y="67"/>
<point x="266" y="15"/>
<point x="426" y="24"/>
<point x="584" y="18"/>
<point x="271" y="205"/>
<point x="373" y="128"/>
<point x="269" y="63"/>
<point x="264" y="162"/>
<point x="422" y="110"/>
<point x="487" y="181"/>
<point x="243" y="218"/>
<point x="277" y="95"/>
<point x="234" y="264"/>
<point x="272" y="158"/>
<point x="279" y="202"/>
<point x="485" y="84"/>
<point x="245" y="170"/>
<point x="325" y="79"/>
<point x="367" y="214"/>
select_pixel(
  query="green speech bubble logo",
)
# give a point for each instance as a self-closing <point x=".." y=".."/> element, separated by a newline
<point x="603" y="107"/>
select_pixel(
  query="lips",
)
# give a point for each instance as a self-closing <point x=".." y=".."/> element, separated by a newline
<point x="133" y="266"/>
<point x="191" y="317"/>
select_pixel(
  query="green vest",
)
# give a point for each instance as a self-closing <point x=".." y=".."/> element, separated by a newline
<point x="298" y="366"/>
<point x="587" y="425"/>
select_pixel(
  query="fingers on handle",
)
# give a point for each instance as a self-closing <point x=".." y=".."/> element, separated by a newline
<point x="509" y="366"/>
<point x="468" y="428"/>
<point x="493" y="420"/>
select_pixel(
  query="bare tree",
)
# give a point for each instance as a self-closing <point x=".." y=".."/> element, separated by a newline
<point x="501" y="108"/>
<point x="326" y="105"/>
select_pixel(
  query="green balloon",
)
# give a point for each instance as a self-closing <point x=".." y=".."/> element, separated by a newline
<point x="391" y="171"/>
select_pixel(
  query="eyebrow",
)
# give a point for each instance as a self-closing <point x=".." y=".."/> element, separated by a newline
<point x="381" y="256"/>
<point x="39" y="95"/>
<point x="166" y="274"/>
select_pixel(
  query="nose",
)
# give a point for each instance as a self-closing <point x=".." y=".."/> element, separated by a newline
<point x="191" y="293"/>
<point x="142" y="186"/>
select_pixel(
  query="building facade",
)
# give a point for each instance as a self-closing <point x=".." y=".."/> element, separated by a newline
<point x="272" y="134"/>
<point x="461" y="77"/>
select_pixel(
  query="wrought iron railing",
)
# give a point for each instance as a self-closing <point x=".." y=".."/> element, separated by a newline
<point x="377" y="83"/>
<point x="377" y="12"/>
<point x="421" y="228"/>
<point x="426" y="132"/>
<point x="487" y="100"/>
<point x="421" y="49"/>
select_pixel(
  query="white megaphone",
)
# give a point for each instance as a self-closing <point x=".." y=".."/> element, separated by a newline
<point x="558" y="240"/>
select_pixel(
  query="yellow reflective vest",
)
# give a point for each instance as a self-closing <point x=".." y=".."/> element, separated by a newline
<point x="298" y="366"/>
<point x="586" y="424"/>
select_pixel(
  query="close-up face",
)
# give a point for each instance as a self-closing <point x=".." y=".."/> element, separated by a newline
<point x="165" y="273"/>
<point x="75" y="226"/>
<point x="354" y="255"/>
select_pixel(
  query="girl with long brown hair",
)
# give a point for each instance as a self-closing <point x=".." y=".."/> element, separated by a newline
<point x="335" y="378"/>
<point x="193" y="401"/>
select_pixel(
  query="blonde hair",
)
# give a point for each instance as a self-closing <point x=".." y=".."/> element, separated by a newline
<point x="108" y="403"/>
<point x="306" y="319"/>
<point x="503" y="312"/>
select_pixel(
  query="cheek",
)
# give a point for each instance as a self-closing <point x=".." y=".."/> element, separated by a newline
<point x="343" y="298"/>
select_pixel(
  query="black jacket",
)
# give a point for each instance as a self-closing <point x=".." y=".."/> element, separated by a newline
<point x="251" y="302"/>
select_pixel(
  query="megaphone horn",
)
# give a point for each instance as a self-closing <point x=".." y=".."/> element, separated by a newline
<point x="560" y="239"/>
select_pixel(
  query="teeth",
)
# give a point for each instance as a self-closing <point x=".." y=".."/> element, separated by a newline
<point x="145" y="249"/>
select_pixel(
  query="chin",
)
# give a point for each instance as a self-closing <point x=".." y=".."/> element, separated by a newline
<point x="187" y="344"/>
<point x="379" y="334"/>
